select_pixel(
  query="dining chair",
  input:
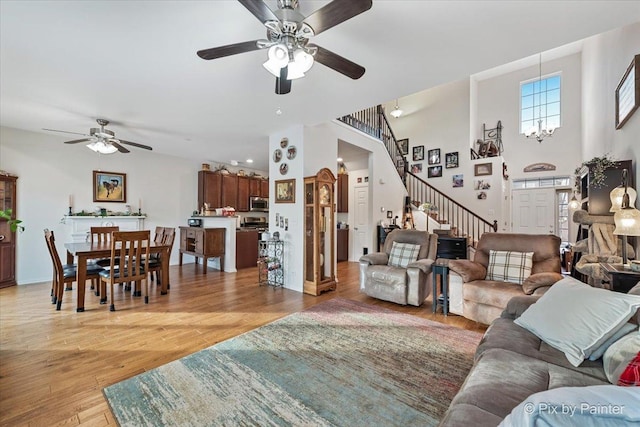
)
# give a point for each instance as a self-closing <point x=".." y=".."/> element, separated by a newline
<point x="64" y="273"/>
<point x="129" y="261"/>
<point x="102" y="235"/>
<point x="155" y="262"/>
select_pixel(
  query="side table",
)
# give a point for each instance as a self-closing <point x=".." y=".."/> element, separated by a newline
<point x="440" y="268"/>
<point x="622" y="278"/>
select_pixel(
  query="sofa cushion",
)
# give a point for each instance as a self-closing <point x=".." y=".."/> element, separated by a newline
<point x="501" y="379"/>
<point x="618" y="356"/>
<point x="545" y="247"/>
<point x="595" y="406"/>
<point x="387" y="283"/>
<point x="403" y="254"/>
<point x="509" y="266"/>
<point x="576" y="318"/>
<point x="490" y="292"/>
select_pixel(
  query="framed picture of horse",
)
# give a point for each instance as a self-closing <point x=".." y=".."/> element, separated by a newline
<point x="109" y="187"/>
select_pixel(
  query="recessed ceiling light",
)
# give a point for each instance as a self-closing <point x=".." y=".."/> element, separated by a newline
<point x="278" y="112"/>
<point x="339" y="159"/>
<point x="249" y="160"/>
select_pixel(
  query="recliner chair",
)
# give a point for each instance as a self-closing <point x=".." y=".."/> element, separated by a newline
<point x="402" y="285"/>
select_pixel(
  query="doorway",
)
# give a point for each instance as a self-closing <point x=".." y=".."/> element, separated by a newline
<point x="361" y="228"/>
<point x="533" y="211"/>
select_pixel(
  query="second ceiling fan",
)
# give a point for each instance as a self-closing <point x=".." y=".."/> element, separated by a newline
<point x="288" y="33"/>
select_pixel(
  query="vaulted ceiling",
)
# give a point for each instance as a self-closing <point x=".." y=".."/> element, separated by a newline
<point x="65" y="63"/>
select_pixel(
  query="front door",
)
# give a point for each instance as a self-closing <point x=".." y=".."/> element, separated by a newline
<point x="361" y="227"/>
<point x="534" y="211"/>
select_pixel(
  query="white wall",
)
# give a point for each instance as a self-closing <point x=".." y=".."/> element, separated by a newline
<point x="49" y="171"/>
<point x="605" y="59"/>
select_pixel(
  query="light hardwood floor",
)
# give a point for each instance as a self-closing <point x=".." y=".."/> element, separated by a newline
<point x="54" y="365"/>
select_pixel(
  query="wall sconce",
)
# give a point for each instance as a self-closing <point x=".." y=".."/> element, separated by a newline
<point x="626" y="217"/>
<point x="574" y="203"/>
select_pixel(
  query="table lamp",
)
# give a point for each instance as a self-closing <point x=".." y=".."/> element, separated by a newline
<point x="626" y="217"/>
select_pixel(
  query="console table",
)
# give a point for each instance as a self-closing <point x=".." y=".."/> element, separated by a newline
<point x="203" y="243"/>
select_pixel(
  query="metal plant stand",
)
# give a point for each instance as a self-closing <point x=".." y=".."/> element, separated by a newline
<point x="271" y="263"/>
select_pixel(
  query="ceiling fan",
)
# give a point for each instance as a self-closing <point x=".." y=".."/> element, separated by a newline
<point x="288" y="33"/>
<point x="102" y="140"/>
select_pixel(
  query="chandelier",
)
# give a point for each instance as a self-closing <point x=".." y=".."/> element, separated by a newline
<point x="539" y="133"/>
<point x="397" y="112"/>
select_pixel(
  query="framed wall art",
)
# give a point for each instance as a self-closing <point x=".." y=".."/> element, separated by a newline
<point x="434" y="171"/>
<point x="628" y="93"/>
<point x="434" y="156"/>
<point x="483" y="169"/>
<point x="286" y="191"/>
<point x="416" y="168"/>
<point x="418" y="153"/>
<point x="109" y="187"/>
<point x="404" y="146"/>
<point x="451" y="160"/>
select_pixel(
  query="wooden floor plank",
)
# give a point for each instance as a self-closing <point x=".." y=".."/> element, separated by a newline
<point x="54" y="364"/>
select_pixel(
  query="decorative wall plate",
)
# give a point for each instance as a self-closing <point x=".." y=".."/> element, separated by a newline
<point x="284" y="168"/>
<point x="277" y="155"/>
<point x="291" y="152"/>
<point x="284" y="142"/>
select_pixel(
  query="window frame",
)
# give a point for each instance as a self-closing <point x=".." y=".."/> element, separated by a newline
<point x="520" y="97"/>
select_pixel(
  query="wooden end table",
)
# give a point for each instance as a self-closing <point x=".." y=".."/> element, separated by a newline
<point x="440" y="268"/>
<point x="622" y="278"/>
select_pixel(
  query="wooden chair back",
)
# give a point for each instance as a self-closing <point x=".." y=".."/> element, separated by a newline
<point x="59" y="279"/>
<point x="130" y="252"/>
<point x="102" y="234"/>
<point x="168" y="237"/>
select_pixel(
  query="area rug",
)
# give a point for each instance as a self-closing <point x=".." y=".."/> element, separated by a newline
<point x="340" y="363"/>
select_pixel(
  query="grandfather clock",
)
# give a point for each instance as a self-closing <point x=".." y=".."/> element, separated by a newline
<point x="319" y="233"/>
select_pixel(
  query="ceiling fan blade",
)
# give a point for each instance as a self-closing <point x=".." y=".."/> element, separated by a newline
<point x="230" y="49"/>
<point x="335" y="13"/>
<point x="283" y="86"/>
<point x="135" y="144"/>
<point x="118" y="146"/>
<point x="259" y="9"/>
<point x="76" y="141"/>
<point x="337" y="62"/>
<point x="65" y="131"/>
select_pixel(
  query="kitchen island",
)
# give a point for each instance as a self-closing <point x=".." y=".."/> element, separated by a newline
<point x="229" y="224"/>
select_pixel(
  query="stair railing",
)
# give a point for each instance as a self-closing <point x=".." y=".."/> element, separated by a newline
<point x="373" y="121"/>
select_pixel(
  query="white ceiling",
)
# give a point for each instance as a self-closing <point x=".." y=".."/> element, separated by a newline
<point x="64" y="64"/>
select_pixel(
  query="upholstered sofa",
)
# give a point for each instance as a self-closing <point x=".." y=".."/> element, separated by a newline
<point x="483" y="299"/>
<point x="511" y="364"/>
<point x="401" y="285"/>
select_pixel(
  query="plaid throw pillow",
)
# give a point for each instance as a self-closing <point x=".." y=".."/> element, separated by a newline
<point x="402" y="254"/>
<point x="507" y="266"/>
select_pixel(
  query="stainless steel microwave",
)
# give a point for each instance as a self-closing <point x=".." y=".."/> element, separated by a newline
<point x="258" y="204"/>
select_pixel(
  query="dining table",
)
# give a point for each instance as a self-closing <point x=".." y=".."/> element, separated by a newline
<point x="84" y="251"/>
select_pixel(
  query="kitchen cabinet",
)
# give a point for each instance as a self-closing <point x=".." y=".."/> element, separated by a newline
<point x="320" y="231"/>
<point x="7" y="237"/>
<point x="343" y="245"/>
<point x="343" y="192"/>
<point x="246" y="248"/>
<point x="255" y="187"/>
<point x="229" y="195"/>
<point x="264" y="188"/>
<point x="243" y="194"/>
<point x="203" y="243"/>
<point x="209" y="189"/>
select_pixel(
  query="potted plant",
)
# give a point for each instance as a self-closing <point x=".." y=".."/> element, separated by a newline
<point x="14" y="224"/>
<point x="597" y="167"/>
<point x="430" y="208"/>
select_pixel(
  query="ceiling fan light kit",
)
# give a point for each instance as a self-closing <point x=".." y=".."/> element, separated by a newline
<point x="103" y="140"/>
<point x="290" y="55"/>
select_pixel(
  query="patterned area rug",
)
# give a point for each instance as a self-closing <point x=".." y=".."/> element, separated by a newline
<point x="340" y="363"/>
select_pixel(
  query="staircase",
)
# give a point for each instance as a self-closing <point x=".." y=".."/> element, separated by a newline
<point x="462" y="221"/>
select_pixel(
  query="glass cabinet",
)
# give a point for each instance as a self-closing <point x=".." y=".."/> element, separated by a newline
<point x="7" y="237"/>
<point x="319" y="233"/>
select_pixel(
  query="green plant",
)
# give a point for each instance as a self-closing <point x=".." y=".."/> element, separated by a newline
<point x="14" y="224"/>
<point x="429" y="207"/>
<point x="597" y="167"/>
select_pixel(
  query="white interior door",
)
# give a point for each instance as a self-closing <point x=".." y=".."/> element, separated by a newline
<point x="533" y="211"/>
<point x="361" y="222"/>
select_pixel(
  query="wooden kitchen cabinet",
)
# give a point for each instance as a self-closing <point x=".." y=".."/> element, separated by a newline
<point x="246" y="248"/>
<point x="264" y="188"/>
<point x="343" y="244"/>
<point x="203" y="243"/>
<point x="7" y="237"/>
<point x="209" y="189"/>
<point x="255" y="187"/>
<point x="243" y="193"/>
<point x="343" y="192"/>
<point x="229" y="191"/>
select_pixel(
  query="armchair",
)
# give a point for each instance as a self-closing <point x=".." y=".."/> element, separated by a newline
<point x="402" y="285"/>
<point x="485" y="298"/>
